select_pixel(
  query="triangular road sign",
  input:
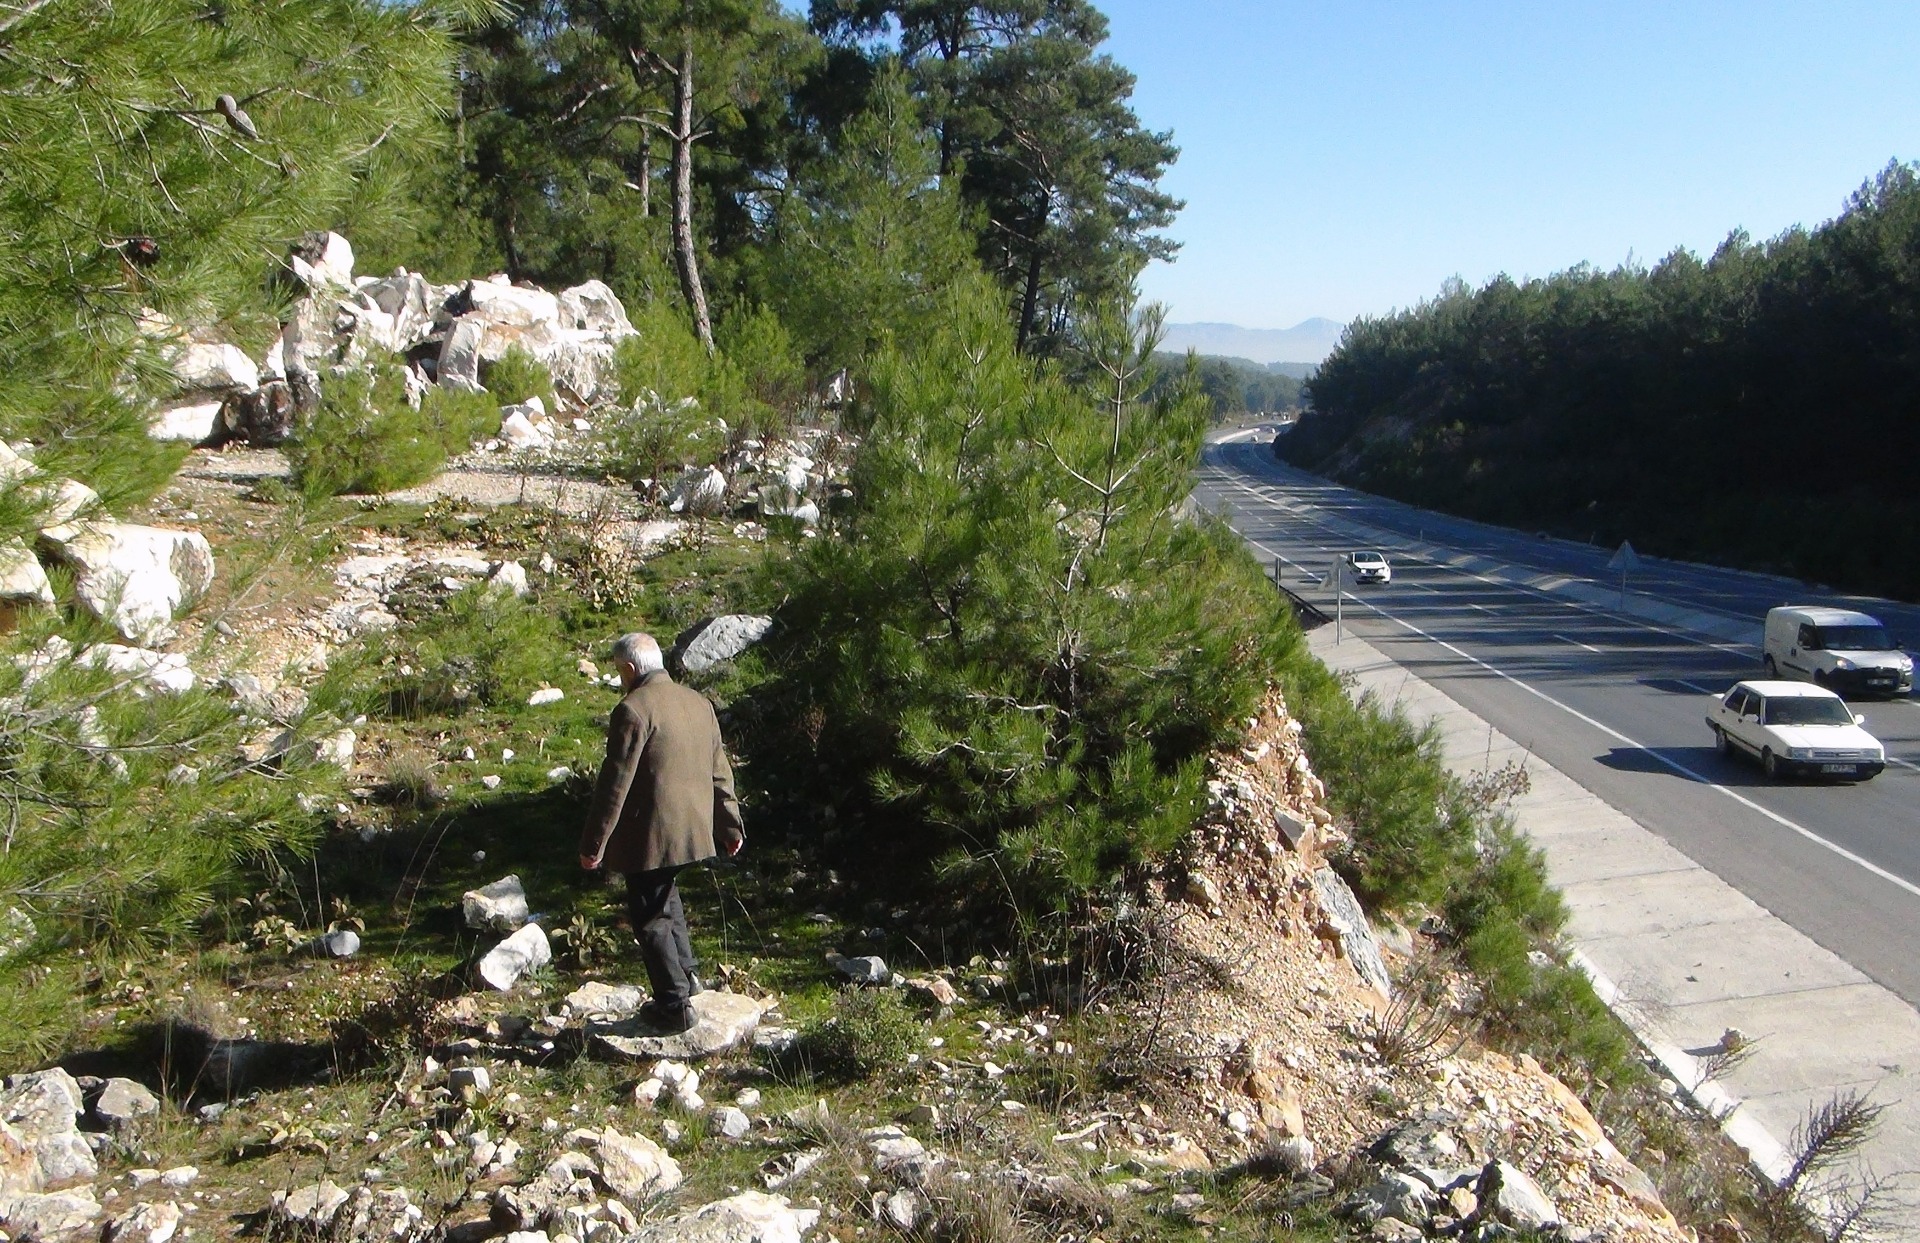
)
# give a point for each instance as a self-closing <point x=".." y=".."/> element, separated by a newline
<point x="1624" y="558"/>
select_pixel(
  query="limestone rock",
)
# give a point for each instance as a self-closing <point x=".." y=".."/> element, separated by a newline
<point x="729" y="1121"/>
<point x="195" y="420"/>
<point x="1343" y="912"/>
<point x="43" y="1110"/>
<point x="19" y="1166"/>
<point x="867" y="969"/>
<point x="701" y="490"/>
<point x="499" y="907"/>
<point x="750" y="1217"/>
<point x="311" y="1208"/>
<point x="520" y="953"/>
<point x="66" y="505"/>
<point x="470" y="1083"/>
<point x="595" y="1000"/>
<point x="209" y="368"/>
<point x="52" y="1217"/>
<point x="520" y="432"/>
<point x="323" y="261"/>
<point x="1521" y="1203"/>
<point x="897" y="1153"/>
<point x="379" y="1216"/>
<point x="718" y="640"/>
<point x="935" y="990"/>
<point x="138" y="577"/>
<point x="22" y="580"/>
<point x="721" y="1021"/>
<point x="153" y="1222"/>
<point x="124" y="1100"/>
<point x="593" y="307"/>
<point x="142" y="668"/>
<point x="635" y="1168"/>
<point x="1393" y="1194"/>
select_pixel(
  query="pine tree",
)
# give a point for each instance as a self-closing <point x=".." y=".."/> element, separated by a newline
<point x="1019" y="654"/>
<point x="161" y="154"/>
<point x="871" y="240"/>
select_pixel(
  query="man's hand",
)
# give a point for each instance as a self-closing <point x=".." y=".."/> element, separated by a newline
<point x="589" y="863"/>
<point x="733" y="847"/>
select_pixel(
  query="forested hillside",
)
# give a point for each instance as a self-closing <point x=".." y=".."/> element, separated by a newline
<point x="1234" y="386"/>
<point x="1756" y="409"/>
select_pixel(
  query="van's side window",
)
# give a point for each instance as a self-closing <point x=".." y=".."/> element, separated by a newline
<point x="1809" y="639"/>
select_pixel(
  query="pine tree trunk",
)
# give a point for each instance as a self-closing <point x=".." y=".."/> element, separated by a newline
<point x="1031" y="298"/>
<point x="683" y="254"/>
<point x="646" y="174"/>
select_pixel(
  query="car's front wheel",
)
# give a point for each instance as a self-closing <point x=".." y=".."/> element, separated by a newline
<point x="1771" y="763"/>
<point x="1720" y="742"/>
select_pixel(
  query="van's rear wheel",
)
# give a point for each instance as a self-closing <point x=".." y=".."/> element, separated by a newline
<point x="1771" y="763"/>
<point x="1773" y="670"/>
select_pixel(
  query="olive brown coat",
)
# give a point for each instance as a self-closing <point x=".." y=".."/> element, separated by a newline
<point x="665" y="794"/>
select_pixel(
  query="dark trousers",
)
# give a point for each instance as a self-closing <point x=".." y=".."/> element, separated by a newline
<point x="660" y="925"/>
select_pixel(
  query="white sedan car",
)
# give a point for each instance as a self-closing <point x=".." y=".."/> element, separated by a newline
<point x="1369" y="567"/>
<point x="1795" y="730"/>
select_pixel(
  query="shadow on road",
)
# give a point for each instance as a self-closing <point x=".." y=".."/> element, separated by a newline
<point x="1704" y="761"/>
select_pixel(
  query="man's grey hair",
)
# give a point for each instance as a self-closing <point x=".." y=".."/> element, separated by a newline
<point x="638" y="649"/>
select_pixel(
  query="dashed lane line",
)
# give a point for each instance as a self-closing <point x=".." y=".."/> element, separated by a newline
<point x="1663" y="759"/>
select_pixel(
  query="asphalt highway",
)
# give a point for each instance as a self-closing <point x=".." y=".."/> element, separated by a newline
<point x="1616" y="702"/>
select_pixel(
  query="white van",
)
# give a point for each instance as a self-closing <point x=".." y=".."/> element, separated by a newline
<point x="1847" y="652"/>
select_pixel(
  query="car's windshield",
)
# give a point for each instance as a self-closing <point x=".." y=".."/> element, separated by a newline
<point x="1854" y="639"/>
<point x="1368" y="558"/>
<point x="1807" y="710"/>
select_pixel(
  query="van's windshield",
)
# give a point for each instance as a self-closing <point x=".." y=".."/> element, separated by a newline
<point x="1853" y="639"/>
<point x="1807" y="710"/>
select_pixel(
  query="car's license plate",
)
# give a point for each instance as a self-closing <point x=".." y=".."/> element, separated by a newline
<point x="1838" y="768"/>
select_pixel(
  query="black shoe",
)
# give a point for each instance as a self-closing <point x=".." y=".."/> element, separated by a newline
<point x="665" y="1020"/>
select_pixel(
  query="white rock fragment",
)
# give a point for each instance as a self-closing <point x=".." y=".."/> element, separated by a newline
<point x="520" y="953"/>
<point x="498" y="907"/>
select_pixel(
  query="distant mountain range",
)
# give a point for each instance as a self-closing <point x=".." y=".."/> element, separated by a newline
<point x="1309" y="341"/>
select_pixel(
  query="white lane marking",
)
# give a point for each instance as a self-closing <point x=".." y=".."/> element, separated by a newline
<point x="1623" y="619"/>
<point x="1665" y="760"/>
<point x="1483" y="608"/>
<point x="1577" y="643"/>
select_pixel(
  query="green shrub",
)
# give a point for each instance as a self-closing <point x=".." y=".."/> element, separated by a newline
<point x="773" y="379"/>
<point x="1385" y="778"/>
<point x="113" y="848"/>
<point x="365" y="438"/>
<point x="517" y="376"/>
<point x="480" y="648"/>
<point x="1017" y="671"/>
<point x="664" y="357"/>
<point x="868" y="1030"/>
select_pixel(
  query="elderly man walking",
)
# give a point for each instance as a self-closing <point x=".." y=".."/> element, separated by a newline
<point x="663" y="802"/>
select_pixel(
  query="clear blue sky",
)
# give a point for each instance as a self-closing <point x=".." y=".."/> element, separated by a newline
<point x="1345" y="157"/>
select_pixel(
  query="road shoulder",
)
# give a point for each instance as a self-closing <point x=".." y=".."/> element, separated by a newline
<point x="1682" y="956"/>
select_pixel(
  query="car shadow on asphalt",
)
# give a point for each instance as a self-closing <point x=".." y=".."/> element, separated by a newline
<point x="1699" y="763"/>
